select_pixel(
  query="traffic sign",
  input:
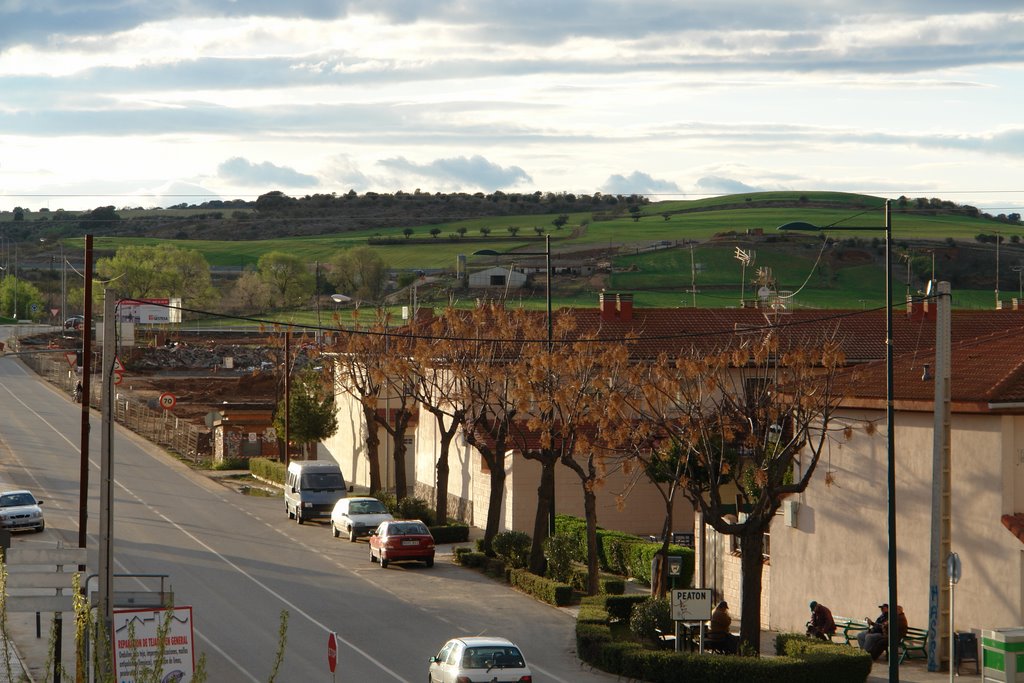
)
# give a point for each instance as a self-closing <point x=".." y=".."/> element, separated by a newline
<point x="72" y="358"/>
<point x="118" y="377"/>
<point x="691" y="604"/>
<point x="332" y="651"/>
<point x="167" y="400"/>
<point x="953" y="567"/>
<point x="118" y="365"/>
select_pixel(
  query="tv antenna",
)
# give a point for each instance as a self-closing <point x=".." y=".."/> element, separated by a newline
<point x="746" y="258"/>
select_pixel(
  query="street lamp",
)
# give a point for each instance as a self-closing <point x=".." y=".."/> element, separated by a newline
<point x="894" y="664"/>
<point x="547" y="296"/>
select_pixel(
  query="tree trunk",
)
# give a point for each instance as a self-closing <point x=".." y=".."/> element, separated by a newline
<point x="398" y="457"/>
<point x="752" y="564"/>
<point x="590" y="509"/>
<point x="441" y="482"/>
<point x="545" y="490"/>
<point x="494" y="501"/>
<point x="372" y="449"/>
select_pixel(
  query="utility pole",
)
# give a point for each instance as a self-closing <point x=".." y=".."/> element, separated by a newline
<point x="106" y="540"/>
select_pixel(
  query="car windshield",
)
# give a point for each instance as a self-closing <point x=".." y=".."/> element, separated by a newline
<point x="330" y="481"/>
<point x="408" y="529"/>
<point x="502" y="657"/>
<point x="11" y="500"/>
<point x="366" y="507"/>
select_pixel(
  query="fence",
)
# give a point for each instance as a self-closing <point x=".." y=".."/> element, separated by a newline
<point x="159" y="426"/>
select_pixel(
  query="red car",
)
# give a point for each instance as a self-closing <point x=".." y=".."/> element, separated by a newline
<point x="398" y="541"/>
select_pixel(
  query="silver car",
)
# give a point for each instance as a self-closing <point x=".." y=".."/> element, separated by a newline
<point x="358" y="516"/>
<point x="20" y="510"/>
<point x="479" y="659"/>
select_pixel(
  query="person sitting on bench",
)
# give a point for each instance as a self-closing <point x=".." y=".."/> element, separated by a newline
<point x="877" y="643"/>
<point x="719" y="636"/>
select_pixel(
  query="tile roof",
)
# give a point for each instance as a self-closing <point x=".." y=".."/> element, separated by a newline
<point x="1015" y="523"/>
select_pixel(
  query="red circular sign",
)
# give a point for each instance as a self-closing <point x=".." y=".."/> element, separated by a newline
<point x="167" y="400"/>
<point x="332" y="651"/>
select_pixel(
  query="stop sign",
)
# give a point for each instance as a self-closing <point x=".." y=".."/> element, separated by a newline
<point x="332" y="651"/>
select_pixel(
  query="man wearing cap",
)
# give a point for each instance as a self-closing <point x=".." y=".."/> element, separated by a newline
<point x="821" y="625"/>
<point x="875" y="627"/>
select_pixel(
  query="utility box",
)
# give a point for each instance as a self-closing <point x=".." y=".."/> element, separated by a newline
<point x="1003" y="655"/>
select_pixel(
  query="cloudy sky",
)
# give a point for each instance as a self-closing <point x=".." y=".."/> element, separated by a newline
<point x="143" y="103"/>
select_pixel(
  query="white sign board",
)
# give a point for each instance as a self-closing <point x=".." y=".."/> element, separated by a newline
<point x="147" y="311"/>
<point x="136" y="644"/>
<point x="691" y="604"/>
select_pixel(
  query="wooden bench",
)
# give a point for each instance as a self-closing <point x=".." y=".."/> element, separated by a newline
<point x="916" y="641"/>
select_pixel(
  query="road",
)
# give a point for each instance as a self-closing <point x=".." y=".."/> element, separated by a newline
<point x="239" y="562"/>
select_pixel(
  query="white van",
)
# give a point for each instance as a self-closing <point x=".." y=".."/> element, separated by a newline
<point x="311" y="489"/>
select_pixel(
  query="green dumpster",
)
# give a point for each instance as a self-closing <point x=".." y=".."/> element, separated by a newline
<point x="1003" y="655"/>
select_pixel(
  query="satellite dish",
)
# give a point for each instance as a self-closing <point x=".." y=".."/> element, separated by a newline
<point x="340" y="298"/>
<point x="928" y="289"/>
<point x="763" y="293"/>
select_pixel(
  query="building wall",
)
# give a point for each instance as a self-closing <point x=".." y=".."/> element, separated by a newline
<point x="837" y="553"/>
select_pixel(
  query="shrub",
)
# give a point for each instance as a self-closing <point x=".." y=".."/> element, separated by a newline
<point x="513" y="547"/>
<point x="411" y="507"/>
<point x="232" y="464"/>
<point x="558" y="594"/>
<point x="468" y="558"/>
<point x="451" y="533"/>
<point x="649" y="617"/>
<point x="271" y="470"/>
<point x="621" y="606"/>
<point x="560" y="550"/>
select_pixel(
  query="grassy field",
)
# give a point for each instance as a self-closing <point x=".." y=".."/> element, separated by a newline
<point x="713" y="227"/>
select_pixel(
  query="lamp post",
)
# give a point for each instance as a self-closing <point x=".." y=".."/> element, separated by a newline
<point x="547" y="298"/>
<point x="894" y="665"/>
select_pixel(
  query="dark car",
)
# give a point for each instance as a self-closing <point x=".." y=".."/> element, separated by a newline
<point x="75" y="322"/>
<point x="401" y="540"/>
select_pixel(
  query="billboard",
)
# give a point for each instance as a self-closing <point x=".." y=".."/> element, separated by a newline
<point x="145" y="311"/>
<point x="137" y="645"/>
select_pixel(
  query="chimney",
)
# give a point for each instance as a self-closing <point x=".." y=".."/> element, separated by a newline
<point x="615" y="307"/>
<point x="625" y="307"/>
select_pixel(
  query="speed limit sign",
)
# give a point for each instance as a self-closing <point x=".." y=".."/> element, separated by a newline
<point x="167" y="400"/>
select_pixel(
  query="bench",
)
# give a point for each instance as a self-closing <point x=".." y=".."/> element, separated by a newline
<point x="916" y="641"/>
<point x="848" y="629"/>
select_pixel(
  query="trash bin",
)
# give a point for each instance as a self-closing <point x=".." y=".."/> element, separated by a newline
<point x="965" y="649"/>
<point x="1003" y="655"/>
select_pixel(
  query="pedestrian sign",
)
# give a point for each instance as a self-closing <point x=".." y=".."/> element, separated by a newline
<point x="118" y="365"/>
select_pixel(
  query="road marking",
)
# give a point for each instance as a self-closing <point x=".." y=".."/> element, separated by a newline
<point x="221" y="557"/>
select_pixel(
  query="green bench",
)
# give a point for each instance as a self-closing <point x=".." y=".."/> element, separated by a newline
<point x="847" y="629"/>
<point x="914" y="643"/>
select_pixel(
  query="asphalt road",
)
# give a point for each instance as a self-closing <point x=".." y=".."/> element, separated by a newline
<point x="239" y="562"/>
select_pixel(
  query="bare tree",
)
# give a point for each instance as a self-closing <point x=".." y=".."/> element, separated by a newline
<point x="732" y="427"/>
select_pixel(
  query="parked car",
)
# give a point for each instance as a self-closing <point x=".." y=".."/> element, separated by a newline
<point x="75" y="322"/>
<point x="358" y="516"/>
<point x="20" y="510"/>
<point x="312" y="488"/>
<point x="465" y="660"/>
<point x="401" y="540"/>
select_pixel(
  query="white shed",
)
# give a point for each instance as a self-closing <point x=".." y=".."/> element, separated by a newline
<point x="497" y="277"/>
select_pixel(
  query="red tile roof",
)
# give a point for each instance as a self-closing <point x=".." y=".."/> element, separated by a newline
<point x="1015" y="523"/>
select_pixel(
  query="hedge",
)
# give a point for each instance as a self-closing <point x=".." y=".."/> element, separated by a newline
<point x="558" y="594"/>
<point x="801" y="660"/>
<point x="271" y="470"/>
<point x="451" y="533"/>
<point x="621" y="553"/>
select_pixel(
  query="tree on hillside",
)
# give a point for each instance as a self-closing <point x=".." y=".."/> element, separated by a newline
<point x="360" y="273"/>
<point x="408" y="232"/>
<point x="287" y="276"/>
<point x="17" y="297"/>
<point x="250" y="294"/>
<point x="733" y="425"/>
<point x="560" y="222"/>
<point x="512" y="230"/>
<point x="434" y="232"/>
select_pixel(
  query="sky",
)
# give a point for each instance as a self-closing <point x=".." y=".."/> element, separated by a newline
<point x="140" y="103"/>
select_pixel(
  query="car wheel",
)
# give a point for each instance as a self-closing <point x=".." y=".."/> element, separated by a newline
<point x="289" y="511"/>
<point x="372" y="558"/>
<point x="298" y="516"/>
<point x="430" y="562"/>
<point x="351" y="535"/>
<point x="334" y="530"/>
<point x="39" y="529"/>
<point x="383" y="562"/>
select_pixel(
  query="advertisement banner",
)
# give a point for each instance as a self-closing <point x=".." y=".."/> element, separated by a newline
<point x="145" y="311"/>
<point x="138" y="650"/>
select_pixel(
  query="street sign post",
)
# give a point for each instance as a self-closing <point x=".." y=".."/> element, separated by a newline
<point x="167" y="400"/>
<point x="332" y="652"/>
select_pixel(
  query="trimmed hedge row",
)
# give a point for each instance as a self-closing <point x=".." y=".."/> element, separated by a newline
<point x="621" y="553"/>
<point x="608" y="584"/>
<point x="801" y="660"/>
<point x="558" y="594"/>
<point x="271" y="470"/>
<point x="451" y="533"/>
